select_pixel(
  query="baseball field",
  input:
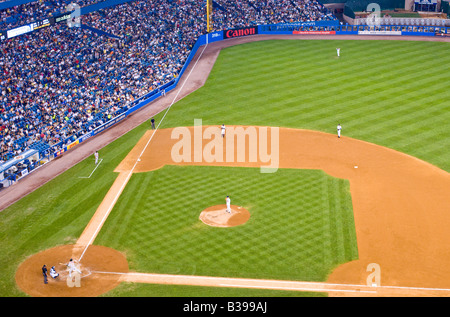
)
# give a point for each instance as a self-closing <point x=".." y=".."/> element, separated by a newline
<point x="377" y="195"/>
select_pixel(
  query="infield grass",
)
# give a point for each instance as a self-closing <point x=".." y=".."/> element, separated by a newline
<point x="392" y="93"/>
<point x="301" y="223"/>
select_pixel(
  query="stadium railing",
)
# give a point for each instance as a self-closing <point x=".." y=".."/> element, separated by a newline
<point x="318" y="27"/>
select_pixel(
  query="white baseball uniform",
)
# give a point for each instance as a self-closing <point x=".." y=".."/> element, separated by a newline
<point x="339" y="128"/>
<point x="96" y="157"/>
<point x="223" y="130"/>
<point x="53" y="272"/>
<point x="72" y="267"/>
<point x="228" y="201"/>
<point x="338" y="50"/>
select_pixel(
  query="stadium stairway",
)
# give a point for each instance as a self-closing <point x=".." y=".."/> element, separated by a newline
<point x="295" y="6"/>
<point x="218" y="6"/>
<point x="100" y="32"/>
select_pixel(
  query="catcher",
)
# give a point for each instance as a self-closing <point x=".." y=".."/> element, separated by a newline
<point x="53" y="273"/>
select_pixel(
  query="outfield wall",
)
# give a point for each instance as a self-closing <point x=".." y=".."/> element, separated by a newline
<point x="306" y="28"/>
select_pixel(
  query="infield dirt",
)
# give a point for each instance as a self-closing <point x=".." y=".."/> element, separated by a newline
<point x="400" y="203"/>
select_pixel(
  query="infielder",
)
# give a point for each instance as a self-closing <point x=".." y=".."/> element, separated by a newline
<point x="96" y="157"/>
<point x="338" y="51"/>
<point x="223" y="130"/>
<point x="228" y="201"/>
<point x="339" y="128"/>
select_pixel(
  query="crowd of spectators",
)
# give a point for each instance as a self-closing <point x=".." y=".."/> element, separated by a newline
<point x="254" y="12"/>
<point x="36" y="10"/>
<point x="59" y="82"/>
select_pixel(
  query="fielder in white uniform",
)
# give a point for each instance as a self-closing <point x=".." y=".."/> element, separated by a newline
<point x="338" y="51"/>
<point x="339" y="128"/>
<point x="96" y="157"/>
<point x="228" y="201"/>
<point x="223" y="130"/>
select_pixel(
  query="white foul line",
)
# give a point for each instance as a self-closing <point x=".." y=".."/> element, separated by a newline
<point x="138" y="159"/>
<point x="303" y="289"/>
<point x="92" y="171"/>
<point x="269" y="284"/>
<point x="221" y="282"/>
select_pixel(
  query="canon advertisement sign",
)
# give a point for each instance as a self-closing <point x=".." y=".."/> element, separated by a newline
<point x="228" y="34"/>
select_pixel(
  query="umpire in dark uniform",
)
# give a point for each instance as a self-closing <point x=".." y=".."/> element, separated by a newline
<point x="153" y="123"/>
<point x="44" y="273"/>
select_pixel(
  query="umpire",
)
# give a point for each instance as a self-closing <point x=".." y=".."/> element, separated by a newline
<point x="44" y="273"/>
<point x="153" y="123"/>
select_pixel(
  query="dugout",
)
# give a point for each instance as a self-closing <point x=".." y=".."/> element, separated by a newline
<point x="18" y="167"/>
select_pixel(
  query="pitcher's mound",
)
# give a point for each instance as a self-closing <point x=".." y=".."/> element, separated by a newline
<point x="217" y="216"/>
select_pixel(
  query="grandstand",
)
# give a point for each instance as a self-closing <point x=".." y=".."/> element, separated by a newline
<point x="59" y="83"/>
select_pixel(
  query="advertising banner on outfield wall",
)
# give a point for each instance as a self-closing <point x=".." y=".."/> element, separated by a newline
<point x="326" y="23"/>
<point x="315" y="32"/>
<point x="380" y="32"/>
<point x="442" y="34"/>
<point x="215" y="36"/>
<point x="252" y="30"/>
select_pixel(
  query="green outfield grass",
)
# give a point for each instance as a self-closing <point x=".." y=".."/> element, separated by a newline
<point x="392" y="93"/>
<point x="301" y="223"/>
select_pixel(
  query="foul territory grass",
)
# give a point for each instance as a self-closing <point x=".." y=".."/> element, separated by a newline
<point x="301" y="223"/>
<point x="392" y="93"/>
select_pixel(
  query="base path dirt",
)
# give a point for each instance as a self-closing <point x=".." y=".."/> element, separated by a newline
<point x="29" y="277"/>
<point x="400" y="203"/>
<point x="400" y="206"/>
<point x="192" y="79"/>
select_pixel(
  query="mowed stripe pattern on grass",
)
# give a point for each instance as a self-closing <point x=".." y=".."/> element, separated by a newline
<point x="392" y="93"/>
<point x="301" y="223"/>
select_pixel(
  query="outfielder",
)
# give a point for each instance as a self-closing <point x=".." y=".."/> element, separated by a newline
<point x="339" y="128"/>
<point x="228" y="201"/>
<point x="96" y="157"/>
<point x="338" y="51"/>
